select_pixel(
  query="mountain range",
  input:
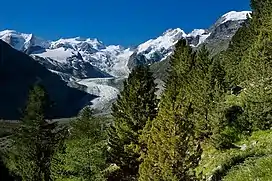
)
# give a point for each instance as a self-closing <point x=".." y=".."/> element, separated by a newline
<point x="101" y="68"/>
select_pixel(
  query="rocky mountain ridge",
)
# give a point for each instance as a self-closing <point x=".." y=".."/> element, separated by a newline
<point x="90" y="58"/>
<point x="78" y="59"/>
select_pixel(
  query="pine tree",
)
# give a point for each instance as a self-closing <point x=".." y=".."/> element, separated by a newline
<point x="136" y="105"/>
<point x="247" y="63"/>
<point x="36" y="140"/>
<point x="261" y="8"/>
<point x="257" y="67"/>
<point x="201" y="91"/>
<point x="84" y="155"/>
<point x="172" y="148"/>
<point x="257" y="62"/>
<point x="233" y="56"/>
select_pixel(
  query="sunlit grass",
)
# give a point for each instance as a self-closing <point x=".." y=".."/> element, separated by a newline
<point x="222" y="163"/>
<point x="252" y="170"/>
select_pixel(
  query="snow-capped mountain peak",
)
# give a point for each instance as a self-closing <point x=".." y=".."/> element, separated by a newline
<point x="22" y="41"/>
<point x="234" y="16"/>
<point x="75" y="54"/>
<point x="79" y="56"/>
<point x="90" y="62"/>
<point x="172" y="32"/>
<point x="78" y="42"/>
<point x="162" y="43"/>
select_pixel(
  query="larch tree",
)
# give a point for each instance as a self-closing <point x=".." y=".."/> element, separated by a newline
<point x="135" y="106"/>
<point x="173" y="150"/>
<point x="36" y="140"/>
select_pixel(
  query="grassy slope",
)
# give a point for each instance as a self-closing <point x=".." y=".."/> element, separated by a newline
<point x="252" y="163"/>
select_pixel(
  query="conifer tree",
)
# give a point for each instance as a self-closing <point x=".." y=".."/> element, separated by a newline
<point x="257" y="67"/>
<point x="245" y="101"/>
<point x="135" y="106"/>
<point x="247" y="64"/>
<point x="201" y="91"/>
<point x="84" y="155"/>
<point x="233" y="56"/>
<point x="261" y="8"/>
<point x="172" y="148"/>
<point x="36" y="140"/>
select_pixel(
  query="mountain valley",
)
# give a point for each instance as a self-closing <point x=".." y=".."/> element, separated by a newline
<point x="89" y="65"/>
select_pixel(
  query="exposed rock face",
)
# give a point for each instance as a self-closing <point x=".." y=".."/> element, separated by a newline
<point x="224" y="29"/>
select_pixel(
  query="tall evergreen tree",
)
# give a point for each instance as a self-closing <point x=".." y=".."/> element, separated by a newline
<point x="201" y="91"/>
<point x="36" y="140"/>
<point x="135" y="106"/>
<point x="84" y="155"/>
<point x="172" y="148"/>
<point x="261" y="8"/>
<point x="257" y="67"/>
<point x="247" y="64"/>
<point x="232" y="57"/>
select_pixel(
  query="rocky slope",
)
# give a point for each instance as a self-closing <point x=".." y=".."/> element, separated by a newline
<point x="216" y="38"/>
<point x="224" y="29"/>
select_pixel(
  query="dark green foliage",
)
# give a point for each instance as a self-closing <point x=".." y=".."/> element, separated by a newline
<point x="200" y="91"/>
<point x="257" y="68"/>
<point x="83" y="157"/>
<point x="172" y="148"/>
<point x="261" y="7"/>
<point x="135" y="106"/>
<point x="36" y="140"/>
<point x="232" y="116"/>
<point x="233" y="56"/>
<point x="258" y="105"/>
<point x="229" y="120"/>
<point x="232" y="126"/>
<point x="247" y="64"/>
<point x="4" y="172"/>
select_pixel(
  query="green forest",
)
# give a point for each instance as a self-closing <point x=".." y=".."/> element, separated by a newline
<point x="212" y="122"/>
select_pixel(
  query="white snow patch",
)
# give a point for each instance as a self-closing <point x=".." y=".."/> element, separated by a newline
<point x="196" y="32"/>
<point x="203" y="38"/>
<point x="77" y="41"/>
<point x="201" y="34"/>
<point x="166" y="41"/>
<point x="235" y="16"/>
<point x="59" y="54"/>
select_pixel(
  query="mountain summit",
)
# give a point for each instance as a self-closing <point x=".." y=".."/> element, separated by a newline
<point x="90" y="58"/>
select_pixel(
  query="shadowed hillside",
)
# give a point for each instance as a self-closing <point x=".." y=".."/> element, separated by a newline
<point x="18" y="72"/>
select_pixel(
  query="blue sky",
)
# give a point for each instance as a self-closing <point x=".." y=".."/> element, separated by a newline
<point x="124" y="22"/>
